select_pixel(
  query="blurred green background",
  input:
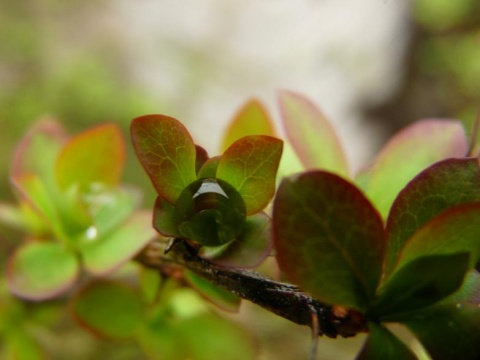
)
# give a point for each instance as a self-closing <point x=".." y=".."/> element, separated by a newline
<point x="81" y="62"/>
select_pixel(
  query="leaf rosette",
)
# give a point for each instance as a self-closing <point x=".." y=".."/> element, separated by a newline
<point x="214" y="202"/>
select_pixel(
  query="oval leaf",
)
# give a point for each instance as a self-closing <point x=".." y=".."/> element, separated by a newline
<point x="39" y="271"/>
<point x="39" y="149"/>
<point x="329" y="238"/>
<point x="108" y="309"/>
<point x="94" y="156"/>
<point x="250" y="165"/>
<point x="164" y="220"/>
<point x="252" y="119"/>
<point x="381" y="344"/>
<point x="448" y="331"/>
<point x="311" y="134"/>
<point x="167" y="153"/>
<point x="415" y="148"/>
<point x="442" y="186"/>
<point x="249" y="249"/>
<point x="420" y="283"/>
<point x="103" y="255"/>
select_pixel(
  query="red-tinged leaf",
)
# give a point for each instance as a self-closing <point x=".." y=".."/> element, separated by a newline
<point x="249" y="249"/>
<point x="250" y="165"/>
<point x="94" y="156"/>
<point x="167" y="153"/>
<point x="38" y="151"/>
<point x="420" y="283"/>
<point x="409" y="152"/>
<point x="39" y="271"/>
<point x="105" y="254"/>
<point x="311" y="134"/>
<point x="108" y="309"/>
<point x="442" y="186"/>
<point x="252" y="119"/>
<point x="209" y="168"/>
<point x="201" y="156"/>
<point x="220" y="297"/>
<point x="450" y="331"/>
<point x="164" y="218"/>
<point x="381" y="344"/>
<point x="329" y="238"/>
<point x="469" y="293"/>
<point x="454" y="230"/>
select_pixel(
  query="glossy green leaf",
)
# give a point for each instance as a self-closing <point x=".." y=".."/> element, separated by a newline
<point x="454" y="230"/>
<point x="108" y="309"/>
<point x="381" y="344"/>
<point x="252" y="119"/>
<point x="250" y="165"/>
<point x="409" y="152"/>
<point x="329" y="238"/>
<point x="167" y="153"/>
<point x="38" y="151"/>
<point x="209" y="168"/>
<point x="220" y="297"/>
<point x="311" y="134"/>
<point x="442" y="186"/>
<point x="164" y="220"/>
<point x="450" y="331"/>
<point x="102" y="255"/>
<point x="249" y="249"/>
<point x="94" y="156"/>
<point x="210" y="212"/>
<point x="39" y="271"/>
<point x="420" y="283"/>
<point x="469" y="293"/>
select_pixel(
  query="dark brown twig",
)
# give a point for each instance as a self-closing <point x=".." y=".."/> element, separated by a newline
<point x="284" y="300"/>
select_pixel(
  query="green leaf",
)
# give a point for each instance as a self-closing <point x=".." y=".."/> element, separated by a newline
<point x="39" y="271"/>
<point x="209" y="168"/>
<point x="103" y="255"/>
<point x="94" y="156"/>
<point x="250" y="166"/>
<point x="167" y="153"/>
<point x="164" y="219"/>
<point x="442" y="186"/>
<point x="252" y="119"/>
<point x="329" y="238"/>
<point x="415" y="148"/>
<point x="221" y="298"/>
<point x="38" y="151"/>
<point x="454" y="230"/>
<point x="249" y="249"/>
<point x="108" y="309"/>
<point x="111" y="207"/>
<point x="20" y="345"/>
<point x="381" y="344"/>
<point x="450" y="331"/>
<point x="311" y="134"/>
<point x="420" y="283"/>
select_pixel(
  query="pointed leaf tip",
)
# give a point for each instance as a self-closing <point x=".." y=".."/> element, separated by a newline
<point x="167" y="153"/>
<point x="251" y="119"/>
<point x="311" y="134"/>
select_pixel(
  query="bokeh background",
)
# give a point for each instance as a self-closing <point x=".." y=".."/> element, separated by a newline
<point x="373" y="66"/>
